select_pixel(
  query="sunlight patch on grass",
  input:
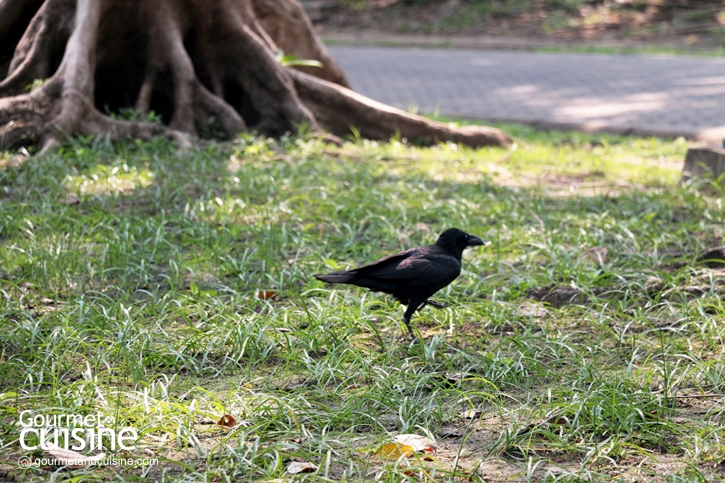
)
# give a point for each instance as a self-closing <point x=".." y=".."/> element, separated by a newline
<point x="552" y="159"/>
<point x="105" y="180"/>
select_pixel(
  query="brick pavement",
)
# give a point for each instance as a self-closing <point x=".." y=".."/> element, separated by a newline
<point x="648" y="95"/>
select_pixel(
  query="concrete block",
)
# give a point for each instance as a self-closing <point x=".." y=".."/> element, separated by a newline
<point x="706" y="161"/>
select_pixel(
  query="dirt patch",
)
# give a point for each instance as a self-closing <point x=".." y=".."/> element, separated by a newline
<point x="702" y="284"/>
<point x="713" y="257"/>
<point x="560" y="295"/>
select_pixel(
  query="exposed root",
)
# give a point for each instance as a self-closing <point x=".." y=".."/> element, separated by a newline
<point x="169" y="41"/>
<point x="116" y="129"/>
<point x="22" y="117"/>
<point x="39" y="51"/>
<point x="289" y="26"/>
<point x="339" y="108"/>
<point x="15" y="16"/>
<point x="50" y="145"/>
<point x="268" y="87"/>
<point x="77" y="68"/>
<point x="17" y="133"/>
<point x="143" y="101"/>
<point x="209" y="107"/>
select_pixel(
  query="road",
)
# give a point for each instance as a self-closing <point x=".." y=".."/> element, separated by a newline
<point x="647" y="95"/>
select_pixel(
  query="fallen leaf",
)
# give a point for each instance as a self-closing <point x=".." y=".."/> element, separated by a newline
<point x="266" y="294"/>
<point x="228" y="421"/>
<point x="471" y="414"/>
<point x="417" y="442"/>
<point x="598" y="255"/>
<point x="301" y="467"/>
<point x="71" y="459"/>
<point x="527" y="309"/>
<point x="394" y="451"/>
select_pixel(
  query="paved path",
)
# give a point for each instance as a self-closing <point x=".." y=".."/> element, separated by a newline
<point x="668" y="96"/>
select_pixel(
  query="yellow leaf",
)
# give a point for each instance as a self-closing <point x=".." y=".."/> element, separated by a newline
<point x="393" y="451"/>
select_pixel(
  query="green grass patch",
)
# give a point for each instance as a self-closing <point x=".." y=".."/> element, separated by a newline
<point x="164" y="289"/>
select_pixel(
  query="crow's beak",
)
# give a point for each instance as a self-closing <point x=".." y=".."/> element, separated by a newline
<point x="474" y="241"/>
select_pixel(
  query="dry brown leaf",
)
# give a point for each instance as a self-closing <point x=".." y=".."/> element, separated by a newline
<point x="417" y="442"/>
<point x="71" y="459"/>
<point x="266" y="294"/>
<point x="393" y="451"/>
<point x="228" y="421"/>
<point x="301" y="467"/>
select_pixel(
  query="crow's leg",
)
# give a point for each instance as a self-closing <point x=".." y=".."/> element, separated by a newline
<point x="435" y="304"/>
<point x="412" y="307"/>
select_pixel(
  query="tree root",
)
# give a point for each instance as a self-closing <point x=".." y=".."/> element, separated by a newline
<point x="338" y="108"/>
<point x="206" y="67"/>
<point x="40" y="49"/>
<point x="15" y="15"/>
<point x="291" y="30"/>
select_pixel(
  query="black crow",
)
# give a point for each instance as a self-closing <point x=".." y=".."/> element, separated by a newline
<point x="413" y="275"/>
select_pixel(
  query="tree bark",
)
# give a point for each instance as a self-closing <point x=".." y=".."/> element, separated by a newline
<point x="206" y="67"/>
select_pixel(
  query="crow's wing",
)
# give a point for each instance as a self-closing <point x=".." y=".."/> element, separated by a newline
<point x="413" y="274"/>
<point x="421" y="268"/>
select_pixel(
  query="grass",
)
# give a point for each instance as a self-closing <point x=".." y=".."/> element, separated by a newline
<point x="165" y="289"/>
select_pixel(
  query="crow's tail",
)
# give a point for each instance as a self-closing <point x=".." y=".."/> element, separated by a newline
<point x="336" y="277"/>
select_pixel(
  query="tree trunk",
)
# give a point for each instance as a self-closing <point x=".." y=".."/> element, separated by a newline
<point x="206" y="67"/>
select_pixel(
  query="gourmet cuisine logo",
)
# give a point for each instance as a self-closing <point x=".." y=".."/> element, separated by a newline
<point x="74" y="432"/>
